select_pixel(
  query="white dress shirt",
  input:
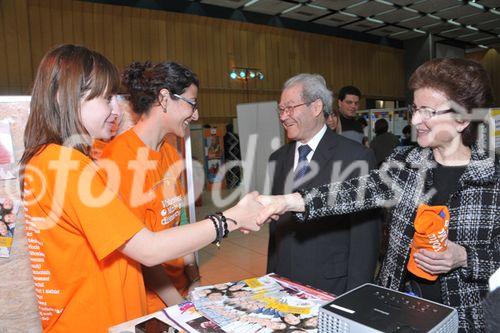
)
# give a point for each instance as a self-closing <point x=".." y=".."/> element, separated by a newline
<point x="313" y="143"/>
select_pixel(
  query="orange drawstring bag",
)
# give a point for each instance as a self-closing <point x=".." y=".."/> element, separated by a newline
<point x="431" y="233"/>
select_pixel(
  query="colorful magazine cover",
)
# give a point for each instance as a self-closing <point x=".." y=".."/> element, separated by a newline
<point x="261" y="305"/>
<point x="8" y="212"/>
<point x="185" y="317"/>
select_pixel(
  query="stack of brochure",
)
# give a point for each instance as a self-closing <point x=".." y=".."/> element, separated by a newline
<point x="8" y="217"/>
<point x="265" y="304"/>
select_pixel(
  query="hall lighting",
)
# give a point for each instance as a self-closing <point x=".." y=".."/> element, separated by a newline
<point x="250" y="3"/>
<point x="291" y="9"/>
<point x="315" y="6"/>
<point x="473" y="4"/>
<point x="246" y="73"/>
<point x="374" y="20"/>
<point x="348" y="14"/>
<point x="385" y="2"/>
<point x="410" y="10"/>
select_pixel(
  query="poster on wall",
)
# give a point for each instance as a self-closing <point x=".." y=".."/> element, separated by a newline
<point x="400" y="121"/>
<point x="495" y="114"/>
<point x="6" y="152"/>
<point x="8" y="213"/>
<point x="214" y="154"/>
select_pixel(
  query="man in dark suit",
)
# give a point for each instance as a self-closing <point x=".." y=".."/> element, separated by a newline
<point x="334" y="254"/>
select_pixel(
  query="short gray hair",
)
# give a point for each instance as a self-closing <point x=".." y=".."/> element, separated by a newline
<point x="313" y="88"/>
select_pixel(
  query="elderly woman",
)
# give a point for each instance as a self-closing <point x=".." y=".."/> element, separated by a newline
<point x="447" y="168"/>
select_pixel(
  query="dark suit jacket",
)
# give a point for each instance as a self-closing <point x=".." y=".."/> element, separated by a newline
<point x="336" y="253"/>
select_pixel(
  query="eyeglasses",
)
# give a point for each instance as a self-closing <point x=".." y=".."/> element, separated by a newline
<point x="426" y="112"/>
<point x="194" y="104"/>
<point x="289" y="109"/>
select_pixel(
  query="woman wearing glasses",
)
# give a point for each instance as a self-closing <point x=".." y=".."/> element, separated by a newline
<point x="448" y="168"/>
<point x="163" y="98"/>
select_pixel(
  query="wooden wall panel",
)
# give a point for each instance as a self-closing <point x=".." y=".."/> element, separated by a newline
<point x="211" y="47"/>
<point x="67" y="22"/>
<point x="77" y="19"/>
<point x="4" y="79"/>
<point x="490" y="59"/>
<point x="23" y="43"/>
<point x="15" y="70"/>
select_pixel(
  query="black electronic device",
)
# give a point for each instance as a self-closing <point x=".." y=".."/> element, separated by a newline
<point x="154" y="325"/>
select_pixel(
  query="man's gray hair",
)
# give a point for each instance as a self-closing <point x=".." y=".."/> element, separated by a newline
<point x="313" y="88"/>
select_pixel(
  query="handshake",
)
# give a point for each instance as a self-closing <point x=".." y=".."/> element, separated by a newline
<point x="253" y="210"/>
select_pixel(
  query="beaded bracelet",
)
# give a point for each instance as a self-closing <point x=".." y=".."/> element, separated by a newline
<point x="217" y="230"/>
<point x="221" y="228"/>
<point x="223" y="219"/>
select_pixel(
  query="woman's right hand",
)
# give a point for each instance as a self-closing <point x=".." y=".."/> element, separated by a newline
<point x="245" y="213"/>
<point x="276" y="205"/>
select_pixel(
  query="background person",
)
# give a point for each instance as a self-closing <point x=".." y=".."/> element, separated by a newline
<point x="333" y="121"/>
<point x="384" y="142"/>
<point x="348" y="104"/>
<point x="406" y="138"/>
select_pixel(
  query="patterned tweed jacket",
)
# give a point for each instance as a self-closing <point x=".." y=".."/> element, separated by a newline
<point x="404" y="182"/>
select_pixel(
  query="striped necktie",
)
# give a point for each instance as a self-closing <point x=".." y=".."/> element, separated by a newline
<point x="303" y="165"/>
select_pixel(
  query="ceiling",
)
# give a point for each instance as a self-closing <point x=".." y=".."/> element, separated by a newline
<point x="471" y="24"/>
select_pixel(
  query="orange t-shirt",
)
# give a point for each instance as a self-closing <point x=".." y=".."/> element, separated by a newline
<point x="97" y="148"/>
<point x="74" y="226"/>
<point x="150" y="185"/>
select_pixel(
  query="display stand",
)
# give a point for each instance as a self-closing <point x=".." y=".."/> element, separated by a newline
<point x="18" y="306"/>
<point x="397" y="118"/>
<point x="214" y="156"/>
<point x="260" y="133"/>
<point x="494" y="130"/>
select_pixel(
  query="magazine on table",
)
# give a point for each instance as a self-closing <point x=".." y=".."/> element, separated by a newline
<point x="185" y="318"/>
<point x="259" y="305"/>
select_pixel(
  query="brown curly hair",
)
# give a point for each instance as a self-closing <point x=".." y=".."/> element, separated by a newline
<point x="463" y="81"/>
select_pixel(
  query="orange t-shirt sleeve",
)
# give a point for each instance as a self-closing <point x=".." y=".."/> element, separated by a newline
<point x="118" y="152"/>
<point x="102" y="217"/>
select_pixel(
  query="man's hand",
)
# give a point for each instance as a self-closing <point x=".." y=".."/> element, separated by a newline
<point x="276" y="205"/>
